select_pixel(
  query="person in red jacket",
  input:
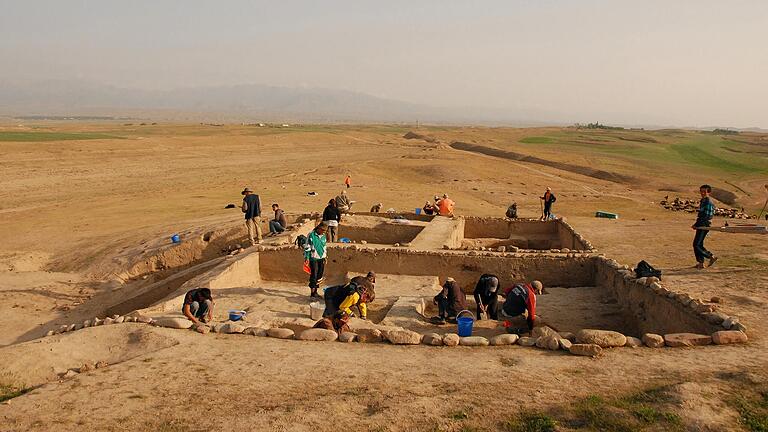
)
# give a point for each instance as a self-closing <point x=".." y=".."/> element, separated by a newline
<point x="521" y="298"/>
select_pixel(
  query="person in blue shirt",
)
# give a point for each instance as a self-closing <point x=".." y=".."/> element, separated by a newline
<point x="703" y="219"/>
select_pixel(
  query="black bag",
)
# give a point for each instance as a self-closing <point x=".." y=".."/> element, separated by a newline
<point x="644" y="269"/>
<point x="301" y="240"/>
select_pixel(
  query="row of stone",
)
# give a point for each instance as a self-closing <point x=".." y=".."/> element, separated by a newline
<point x="114" y="319"/>
<point x="706" y="311"/>
<point x="587" y="245"/>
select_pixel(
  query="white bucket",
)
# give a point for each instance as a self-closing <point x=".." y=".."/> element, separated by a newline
<point x="316" y="310"/>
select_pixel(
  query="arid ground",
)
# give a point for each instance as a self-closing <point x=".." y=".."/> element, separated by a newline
<point x="79" y="202"/>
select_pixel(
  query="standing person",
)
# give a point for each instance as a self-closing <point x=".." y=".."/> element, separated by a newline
<point x="332" y="217"/>
<point x="703" y="219"/>
<point x="343" y="203"/>
<point x="252" y="209"/>
<point x="486" y="296"/>
<point x="549" y="199"/>
<point x="278" y="224"/>
<point x="521" y="298"/>
<point x="314" y="252"/>
<point x="445" y="206"/>
<point x="450" y="301"/>
<point x="198" y="305"/>
<point x="348" y="181"/>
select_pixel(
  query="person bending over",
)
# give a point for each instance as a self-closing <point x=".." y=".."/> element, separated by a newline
<point x="486" y="296"/>
<point x="450" y="301"/>
<point x="198" y="305"/>
<point x="520" y="299"/>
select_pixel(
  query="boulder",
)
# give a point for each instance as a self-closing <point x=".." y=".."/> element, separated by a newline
<point x="108" y="321"/>
<point x="402" y="337"/>
<point x="568" y="335"/>
<point x="527" y="341"/>
<point x="729" y="322"/>
<point x="686" y="339"/>
<point x="728" y="337"/>
<point x="280" y="333"/>
<point x="143" y="319"/>
<point x="565" y="344"/>
<point x="603" y="338"/>
<point x="255" y="331"/>
<point x="216" y="327"/>
<point x="232" y="328"/>
<point x="633" y="342"/>
<point x="86" y="323"/>
<point x="119" y="319"/>
<point x="589" y="350"/>
<point x="318" y="335"/>
<point x="542" y="331"/>
<point x="473" y="341"/>
<point x="202" y="328"/>
<point x="169" y="322"/>
<point x="504" y="339"/>
<point x="71" y="327"/>
<point x="432" y="339"/>
<point x="651" y="280"/>
<point x="451" y="339"/>
<point x="550" y="342"/>
<point x="715" y="318"/>
<point x="97" y="322"/>
<point x="653" y="340"/>
<point x="347" y="337"/>
<point x="369" y="335"/>
<point x="50" y="333"/>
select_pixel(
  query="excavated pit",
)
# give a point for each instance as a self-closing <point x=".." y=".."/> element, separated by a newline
<point x="521" y="233"/>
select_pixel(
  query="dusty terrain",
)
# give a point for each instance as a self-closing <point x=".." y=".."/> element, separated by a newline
<point x="80" y="201"/>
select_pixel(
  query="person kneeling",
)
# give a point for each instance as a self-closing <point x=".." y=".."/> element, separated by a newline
<point x="358" y="292"/>
<point x="198" y="305"/>
<point x="450" y="301"/>
<point x="521" y="298"/>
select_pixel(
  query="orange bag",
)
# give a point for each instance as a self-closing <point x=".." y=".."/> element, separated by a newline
<point x="306" y="268"/>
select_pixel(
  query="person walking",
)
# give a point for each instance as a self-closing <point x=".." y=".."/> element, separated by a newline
<point x="278" y="224"/>
<point x="348" y="181"/>
<point x="548" y="199"/>
<point x="315" y="254"/>
<point x="703" y="219"/>
<point x="252" y="209"/>
<point x="332" y="218"/>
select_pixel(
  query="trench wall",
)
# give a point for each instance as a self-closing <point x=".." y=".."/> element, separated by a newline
<point x="526" y="233"/>
<point x="387" y="233"/>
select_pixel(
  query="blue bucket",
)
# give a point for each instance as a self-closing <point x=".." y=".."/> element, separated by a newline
<point x="345" y="240"/>
<point x="236" y="315"/>
<point x="465" y="324"/>
<point x="176" y="238"/>
<point x="417" y="211"/>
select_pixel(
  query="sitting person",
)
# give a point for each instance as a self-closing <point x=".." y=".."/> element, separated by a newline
<point x="278" y="224"/>
<point x="450" y="301"/>
<point x="377" y="208"/>
<point x="512" y="211"/>
<point x="445" y="206"/>
<point x="428" y="208"/>
<point x="521" y="298"/>
<point x="198" y="305"/>
<point x="486" y="296"/>
<point x="338" y="322"/>
<point x="343" y="203"/>
<point x="358" y="292"/>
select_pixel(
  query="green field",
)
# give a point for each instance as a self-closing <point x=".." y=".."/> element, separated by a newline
<point x="52" y="136"/>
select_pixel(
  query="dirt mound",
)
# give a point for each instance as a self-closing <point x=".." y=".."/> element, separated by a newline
<point x="724" y="196"/>
<point x="586" y="171"/>
<point x="427" y="138"/>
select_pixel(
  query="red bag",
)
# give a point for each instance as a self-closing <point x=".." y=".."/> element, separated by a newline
<point x="306" y="268"/>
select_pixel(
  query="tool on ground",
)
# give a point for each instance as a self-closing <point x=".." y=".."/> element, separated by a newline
<point x="542" y="209"/>
<point x="739" y="229"/>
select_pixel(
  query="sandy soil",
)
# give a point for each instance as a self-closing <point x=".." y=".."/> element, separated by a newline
<point x="75" y="212"/>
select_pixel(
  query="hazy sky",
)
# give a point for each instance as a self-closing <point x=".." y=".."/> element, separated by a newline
<point x="688" y="63"/>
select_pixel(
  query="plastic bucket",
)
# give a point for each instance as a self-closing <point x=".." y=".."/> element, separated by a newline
<point x="316" y="310"/>
<point x="345" y="240"/>
<point x="417" y="211"/>
<point x="464" y="324"/>
<point x="176" y="238"/>
<point x="236" y="315"/>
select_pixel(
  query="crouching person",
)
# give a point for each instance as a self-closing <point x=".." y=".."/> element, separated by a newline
<point x="357" y="293"/>
<point x="198" y="305"/>
<point x="486" y="296"/>
<point x="339" y="322"/>
<point x="450" y="301"/>
<point x="520" y="299"/>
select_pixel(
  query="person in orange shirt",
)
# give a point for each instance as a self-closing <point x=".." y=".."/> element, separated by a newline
<point x="348" y="181"/>
<point x="445" y="206"/>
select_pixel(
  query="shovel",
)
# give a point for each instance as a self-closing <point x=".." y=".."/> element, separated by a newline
<point x="484" y="312"/>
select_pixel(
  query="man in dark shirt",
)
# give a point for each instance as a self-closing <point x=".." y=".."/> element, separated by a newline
<point x="278" y="224"/>
<point x="486" y="296"/>
<point x="521" y="298"/>
<point x="252" y="209"/>
<point x="703" y="219"/>
<point x="198" y="305"/>
<point x="549" y="199"/>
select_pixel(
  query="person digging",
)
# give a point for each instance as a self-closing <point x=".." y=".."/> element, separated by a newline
<point x="358" y="293"/>
<point x="521" y="299"/>
<point x="486" y="296"/>
<point x="450" y="301"/>
<point x="198" y="306"/>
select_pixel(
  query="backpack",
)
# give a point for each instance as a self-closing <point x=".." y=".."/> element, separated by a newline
<point x="644" y="269"/>
<point x="301" y="240"/>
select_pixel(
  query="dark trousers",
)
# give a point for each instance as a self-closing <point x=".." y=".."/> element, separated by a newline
<point x="491" y="305"/>
<point x="330" y="305"/>
<point x="445" y="308"/>
<point x="547" y="210"/>
<point x="316" y="268"/>
<point x="698" y="246"/>
<point x="275" y="227"/>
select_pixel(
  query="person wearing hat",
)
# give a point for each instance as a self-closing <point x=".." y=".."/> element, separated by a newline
<point x="428" y="208"/>
<point x="315" y="254"/>
<point x="521" y="298"/>
<point x="358" y="292"/>
<point x="450" y="301"/>
<point x="486" y="296"/>
<point x="549" y="199"/>
<point x="445" y="206"/>
<point x="252" y="209"/>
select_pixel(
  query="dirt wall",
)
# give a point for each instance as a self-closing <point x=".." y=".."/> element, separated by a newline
<point x="386" y="233"/>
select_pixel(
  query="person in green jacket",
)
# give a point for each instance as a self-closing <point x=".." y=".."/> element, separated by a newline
<point x="314" y="252"/>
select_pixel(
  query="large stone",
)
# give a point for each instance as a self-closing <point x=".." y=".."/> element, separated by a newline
<point x="543" y="331"/>
<point x="603" y="338"/>
<point x="686" y="339"/>
<point x="729" y="322"/>
<point x="232" y="328"/>
<point x="451" y="339"/>
<point x="97" y="321"/>
<point x="653" y="340"/>
<point x="473" y="341"/>
<point x="633" y="342"/>
<point x="551" y="342"/>
<point x="369" y="335"/>
<point x="280" y="333"/>
<point x="318" y="335"/>
<point x="589" y="350"/>
<point x="216" y="327"/>
<point x="565" y="344"/>
<point x="86" y="323"/>
<point x="504" y="339"/>
<point x="715" y="318"/>
<point x="108" y="321"/>
<point x="119" y="319"/>
<point x="527" y="341"/>
<point x="568" y="335"/>
<point x="255" y="331"/>
<point x="651" y="280"/>
<point x="432" y="339"/>
<point x="169" y="322"/>
<point x="202" y="329"/>
<point x="403" y="337"/>
<point x="728" y="337"/>
<point x="347" y="337"/>
<point x="142" y="319"/>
